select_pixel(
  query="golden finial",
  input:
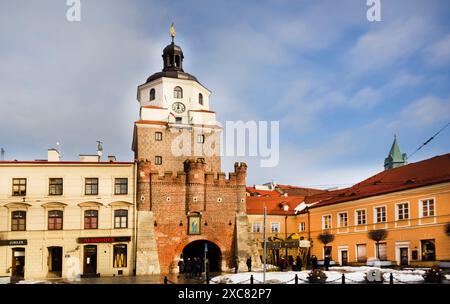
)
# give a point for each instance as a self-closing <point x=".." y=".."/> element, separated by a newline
<point x="173" y="33"/>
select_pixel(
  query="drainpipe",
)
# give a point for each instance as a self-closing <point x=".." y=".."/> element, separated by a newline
<point x="135" y="217"/>
<point x="309" y="236"/>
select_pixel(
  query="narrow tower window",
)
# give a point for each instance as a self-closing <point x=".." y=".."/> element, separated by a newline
<point x="200" y="98"/>
<point x="152" y="94"/>
<point x="178" y="92"/>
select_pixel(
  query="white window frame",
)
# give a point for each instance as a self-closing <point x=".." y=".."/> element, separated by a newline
<point x="421" y="216"/>
<point x="272" y="224"/>
<point x="256" y="224"/>
<point x="397" y="211"/>
<point x="339" y="219"/>
<point x="356" y="217"/>
<point x="375" y="214"/>
<point x="323" y="221"/>
<point x="302" y="227"/>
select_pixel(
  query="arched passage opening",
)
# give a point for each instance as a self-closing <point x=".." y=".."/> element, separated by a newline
<point x="196" y="249"/>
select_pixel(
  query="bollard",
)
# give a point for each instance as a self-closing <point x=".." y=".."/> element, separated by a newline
<point x="296" y="279"/>
<point x="251" y="279"/>
<point x="391" y="278"/>
<point x="343" y="278"/>
<point x="165" y="280"/>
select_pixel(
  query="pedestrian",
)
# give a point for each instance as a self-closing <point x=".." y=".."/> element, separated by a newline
<point x="236" y="263"/>
<point x="291" y="262"/>
<point x="187" y="268"/>
<point x="314" y="262"/>
<point x="327" y="262"/>
<point x="298" y="263"/>
<point x="181" y="265"/>
<point x="249" y="263"/>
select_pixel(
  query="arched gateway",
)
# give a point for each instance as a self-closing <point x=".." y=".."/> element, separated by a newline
<point x="196" y="249"/>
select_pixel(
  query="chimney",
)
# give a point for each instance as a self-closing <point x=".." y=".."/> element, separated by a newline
<point x="53" y="155"/>
<point x="111" y="158"/>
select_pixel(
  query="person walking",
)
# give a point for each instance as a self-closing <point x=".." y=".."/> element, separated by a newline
<point x="181" y="265"/>
<point x="249" y="263"/>
<point x="314" y="262"/>
<point x="187" y="268"/>
<point x="298" y="263"/>
<point x="327" y="262"/>
<point x="291" y="262"/>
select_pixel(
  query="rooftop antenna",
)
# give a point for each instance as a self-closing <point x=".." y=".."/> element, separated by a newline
<point x="2" y="152"/>
<point x="99" y="149"/>
<point x="58" y="148"/>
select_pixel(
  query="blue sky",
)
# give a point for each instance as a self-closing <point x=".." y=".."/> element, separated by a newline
<point x="339" y="85"/>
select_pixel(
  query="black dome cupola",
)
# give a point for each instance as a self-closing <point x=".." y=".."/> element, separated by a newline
<point x="173" y="54"/>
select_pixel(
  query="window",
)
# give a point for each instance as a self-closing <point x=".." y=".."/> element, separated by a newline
<point x="91" y="219"/>
<point x="178" y="120"/>
<point x="19" y="187"/>
<point x="121" y="218"/>
<point x="326" y="222"/>
<point x="200" y="139"/>
<point x="428" y="250"/>
<point x="120" y="256"/>
<point x="121" y="186"/>
<point x="158" y="160"/>
<point x="343" y="219"/>
<point x="382" y="251"/>
<point x="275" y="227"/>
<point x="361" y="217"/>
<point x="427" y="207"/>
<point x="18" y="220"/>
<point x="152" y="94"/>
<point x="302" y="227"/>
<point x="55" y="186"/>
<point x="91" y="186"/>
<point x="256" y="227"/>
<point x="178" y="92"/>
<point x="403" y="211"/>
<point x="158" y="136"/>
<point x="380" y="214"/>
<point x="361" y="254"/>
<point x="200" y="98"/>
<point x="55" y="220"/>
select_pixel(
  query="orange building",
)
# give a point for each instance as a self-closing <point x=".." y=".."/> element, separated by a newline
<point x="409" y="203"/>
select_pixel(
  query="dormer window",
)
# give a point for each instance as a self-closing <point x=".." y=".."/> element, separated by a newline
<point x="178" y="92"/>
<point x="200" y="98"/>
<point x="152" y="94"/>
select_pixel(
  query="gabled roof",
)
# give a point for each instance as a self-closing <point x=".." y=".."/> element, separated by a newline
<point x="265" y="193"/>
<point x="428" y="172"/>
<point x="295" y="190"/>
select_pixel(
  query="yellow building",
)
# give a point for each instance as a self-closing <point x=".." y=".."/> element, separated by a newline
<point x="410" y="204"/>
<point x="66" y="219"/>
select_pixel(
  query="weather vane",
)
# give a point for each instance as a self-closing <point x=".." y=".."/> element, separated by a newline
<point x="173" y="33"/>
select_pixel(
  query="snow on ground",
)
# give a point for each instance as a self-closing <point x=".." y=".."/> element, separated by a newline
<point x="352" y="275"/>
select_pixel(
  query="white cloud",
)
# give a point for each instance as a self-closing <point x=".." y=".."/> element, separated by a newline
<point x="425" y="111"/>
<point x="439" y="53"/>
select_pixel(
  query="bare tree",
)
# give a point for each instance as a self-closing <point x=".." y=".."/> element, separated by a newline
<point x="325" y="238"/>
<point x="378" y="235"/>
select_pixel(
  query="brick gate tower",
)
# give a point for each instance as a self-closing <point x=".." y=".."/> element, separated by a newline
<point x="185" y="203"/>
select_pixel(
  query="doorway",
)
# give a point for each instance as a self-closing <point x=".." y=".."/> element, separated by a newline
<point x="18" y="263"/>
<point x="344" y="258"/>
<point x="90" y="260"/>
<point x="196" y="249"/>
<point x="55" y="261"/>
<point x="404" y="256"/>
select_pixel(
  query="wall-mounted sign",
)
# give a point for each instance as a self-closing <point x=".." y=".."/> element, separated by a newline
<point x="107" y="239"/>
<point x="282" y="244"/>
<point x="13" y="242"/>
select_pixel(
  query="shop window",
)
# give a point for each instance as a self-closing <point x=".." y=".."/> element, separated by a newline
<point x="55" y="220"/>
<point x="120" y="256"/>
<point x="428" y="250"/>
<point x="382" y="250"/>
<point x="361" y="253"/>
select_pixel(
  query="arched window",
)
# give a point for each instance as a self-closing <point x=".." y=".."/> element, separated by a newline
<point x="177" y="61"/>
<point x="55" y="220"/>
<point x="200" y="98"/>
<point x="152" y="94"/>
<point x="178" y="92"/>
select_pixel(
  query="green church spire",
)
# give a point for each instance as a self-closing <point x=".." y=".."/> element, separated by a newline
<point x="395" y="158"/>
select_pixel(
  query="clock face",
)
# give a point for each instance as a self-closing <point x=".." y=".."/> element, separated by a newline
<point x="178" y="107"/>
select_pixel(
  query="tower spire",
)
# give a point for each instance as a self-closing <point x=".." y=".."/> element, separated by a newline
<point x="395" y="158"/>
<point x="173" y="32"/>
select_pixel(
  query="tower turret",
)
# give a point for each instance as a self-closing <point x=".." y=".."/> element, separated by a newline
<point x="395" y="158"/>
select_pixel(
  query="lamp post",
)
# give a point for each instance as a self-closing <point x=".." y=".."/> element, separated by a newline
<point x="285" y="234"/>
<point x="265" y="246"/>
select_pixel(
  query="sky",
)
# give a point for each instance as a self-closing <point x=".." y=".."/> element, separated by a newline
<point x="339" y="85"/>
